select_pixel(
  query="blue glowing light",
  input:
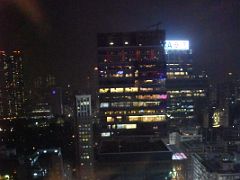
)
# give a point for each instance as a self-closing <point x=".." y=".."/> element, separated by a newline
<point x="120" y="72"/>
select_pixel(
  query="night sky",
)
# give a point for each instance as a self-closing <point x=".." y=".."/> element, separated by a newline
<point x="59" y="36"/>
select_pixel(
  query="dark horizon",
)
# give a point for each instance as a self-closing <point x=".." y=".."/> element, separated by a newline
<point x="59" y="38"/>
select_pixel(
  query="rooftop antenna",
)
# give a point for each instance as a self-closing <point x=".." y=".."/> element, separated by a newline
<point x="157" y="25"/>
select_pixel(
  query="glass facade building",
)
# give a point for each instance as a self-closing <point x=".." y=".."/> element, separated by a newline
<point x="132" y="75"/>
<point x="184" y="87"/>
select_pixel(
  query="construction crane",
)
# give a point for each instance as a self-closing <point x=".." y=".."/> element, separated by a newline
<point x="157" y="25"/>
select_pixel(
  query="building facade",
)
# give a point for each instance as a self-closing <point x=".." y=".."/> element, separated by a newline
<point x="184" y="87"/>
<point x="84" y="137"/>
<point x="11" y="85"/>
<point x="132" y="74"/>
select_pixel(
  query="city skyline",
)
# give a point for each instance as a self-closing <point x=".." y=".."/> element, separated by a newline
<point x="140" y="89"/>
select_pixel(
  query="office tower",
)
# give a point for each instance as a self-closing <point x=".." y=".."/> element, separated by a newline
<point x="184" y="87"/>
<point x="46" y="91"/>
<point x="84" y="137"/>
<point x="11" y="85"/>
<point x="132" y="74"/>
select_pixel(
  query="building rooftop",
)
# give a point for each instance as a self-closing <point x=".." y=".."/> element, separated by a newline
<point x="123" y="146"/>
<point x="123" y="150"/>
<point x="219" y="162"/>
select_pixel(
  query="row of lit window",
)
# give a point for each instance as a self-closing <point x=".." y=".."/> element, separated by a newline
<point x="84" y="132"/>
<point x="143" y="118"/>
<point x="180" y="110"/>
<point x="84" y="126"/>
<point x="122" y="126"/>
<point x="85" y="140"/>
<point x="142" y="97"/>
<point x="147" y="118"/>
<point x="117" y="67"/>
<point x="128" y="89"/>
<point x="85" y="157"/>
<point x="176" y="64"/>
<point x="119" y="75"/>
<point x="177" y="69"/>
<point x="146" y="111"/>
<point x="117" y="58"/>
<point x="185" y="91"/>
<point x="189" y="95"/>
<point x="130" y="104"/>
<point x="180" y="105"/>
<point x="177" y="73"/>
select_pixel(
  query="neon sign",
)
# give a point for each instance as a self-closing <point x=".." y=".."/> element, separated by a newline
<point x="176" y="45"/>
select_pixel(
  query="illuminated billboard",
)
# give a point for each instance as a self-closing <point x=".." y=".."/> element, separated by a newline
<point x="176" y="45"/>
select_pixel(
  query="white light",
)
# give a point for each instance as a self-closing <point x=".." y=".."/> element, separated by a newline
<point x="45" y="151"/>
<point x="34" y="174"/>
<point x="55" y="150"/>
<point x="176" y="45"/>
<point x="126" y="42"/>
<point x="105" y="134"/>
<point x="111" y="43"/>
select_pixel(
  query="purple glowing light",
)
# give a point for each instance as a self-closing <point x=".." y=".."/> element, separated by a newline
<point x="163" y="96"/>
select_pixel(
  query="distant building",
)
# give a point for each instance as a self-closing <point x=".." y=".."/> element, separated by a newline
<point x="50" y="81"/>
<point x="46" y="91"/>
<point x="41" y="111"/>
<point x="84" y="137"/>
<point x="175" y="138"/>
<point x="132" y="74"/>
<point x="184" y="87"/>
<point x="55" y="99"/>
<point x="11" y="85"/>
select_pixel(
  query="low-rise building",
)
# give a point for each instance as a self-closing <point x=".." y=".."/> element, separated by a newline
<point x="215" y="166"/>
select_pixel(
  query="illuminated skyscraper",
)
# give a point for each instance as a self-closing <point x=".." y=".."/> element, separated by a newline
<point x="84" y="136"/>
<point x="184" y="87"/>
<point x="132" y="74"/>
<point x="11" y="85"/>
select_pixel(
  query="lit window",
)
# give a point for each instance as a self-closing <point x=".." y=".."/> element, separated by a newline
<point x="116" y="90"/>
<point x="103" y="90"/>
<point x="126" y="126"/>
<point x="105" y="134"/>
<point x="131" y="89"/>
<point x="147" y="118"/>
<point x="110" y="119"/>
<point x="104" y="105"/>
<point x="146" y="89"/>
<point x="148" y="81"/>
